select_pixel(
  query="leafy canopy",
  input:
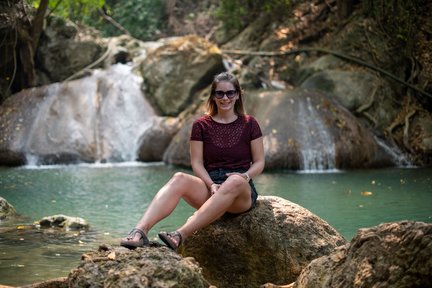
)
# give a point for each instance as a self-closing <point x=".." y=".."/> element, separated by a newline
<point x="74" y="10"/>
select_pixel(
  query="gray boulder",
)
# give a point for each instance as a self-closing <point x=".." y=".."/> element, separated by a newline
<point x="272" y="243"/>
<point x="64" y="222"/>
<point x="396" y="255"/>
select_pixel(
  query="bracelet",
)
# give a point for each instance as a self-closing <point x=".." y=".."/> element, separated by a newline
<point x="247" y="177"/>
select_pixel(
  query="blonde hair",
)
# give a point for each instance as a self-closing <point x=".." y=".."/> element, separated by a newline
<point x="225" y="77"/>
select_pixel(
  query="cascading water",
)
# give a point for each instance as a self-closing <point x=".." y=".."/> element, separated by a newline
<point x="98" y="118"/>
<point x="397" y="156"/>
<point x="317" y="149"/>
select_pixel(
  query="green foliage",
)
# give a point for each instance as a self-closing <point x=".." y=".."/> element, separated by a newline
<point x="74" y="10"/>
<point x="142" y="18"/>
<point x="236" y="14"/>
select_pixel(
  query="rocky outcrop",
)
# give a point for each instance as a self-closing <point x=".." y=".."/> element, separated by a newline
<point x="175" y="71"/>
<point x="389" y="255"/>
<point x="6" y="209"/>
<point x="64" y="222"/>
<point x="144" y="267"/>
<point x="271" y="243"/>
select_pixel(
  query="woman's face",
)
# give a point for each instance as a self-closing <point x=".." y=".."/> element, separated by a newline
<point x="225" y="96"/>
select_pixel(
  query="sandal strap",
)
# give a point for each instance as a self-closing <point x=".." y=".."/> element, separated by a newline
<point x="176" y="234"/>
<point x="139" y="231"/>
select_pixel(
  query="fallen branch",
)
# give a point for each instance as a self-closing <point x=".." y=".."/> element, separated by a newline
<point x="334" y="53"/>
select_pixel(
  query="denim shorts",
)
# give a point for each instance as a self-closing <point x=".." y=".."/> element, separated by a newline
<point x="219" y="176"/>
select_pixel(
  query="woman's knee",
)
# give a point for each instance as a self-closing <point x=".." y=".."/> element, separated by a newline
<point x="235" y="184"/>
<point x="180" y="178"/>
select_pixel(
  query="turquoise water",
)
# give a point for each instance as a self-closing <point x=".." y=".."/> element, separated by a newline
<point x="113" y="197"/>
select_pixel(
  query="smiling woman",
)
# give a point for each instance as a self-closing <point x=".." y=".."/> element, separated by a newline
<point x="226" y="150"/>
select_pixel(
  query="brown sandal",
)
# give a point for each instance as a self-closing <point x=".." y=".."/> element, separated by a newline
<point x="129" y="243"/>
<point x="167" y="238"/>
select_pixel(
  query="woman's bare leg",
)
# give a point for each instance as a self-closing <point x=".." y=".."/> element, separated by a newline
<point x="192" y="189"/>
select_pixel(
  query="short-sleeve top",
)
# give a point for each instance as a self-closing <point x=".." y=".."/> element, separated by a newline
<point x="226" y="146"/>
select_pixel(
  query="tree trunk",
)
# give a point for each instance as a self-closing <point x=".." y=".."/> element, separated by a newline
<point x="38" y="23"/>
<point x="345" y="8"/>
<point x="28" y="43"/>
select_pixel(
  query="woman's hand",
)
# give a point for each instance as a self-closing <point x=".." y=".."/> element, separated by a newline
<point x="213" y="188"/>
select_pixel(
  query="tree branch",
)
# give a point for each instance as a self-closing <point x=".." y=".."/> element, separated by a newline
<point x="113" y="22"/>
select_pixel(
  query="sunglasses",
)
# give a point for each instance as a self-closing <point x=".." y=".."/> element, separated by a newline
<point x="220" y="94"/>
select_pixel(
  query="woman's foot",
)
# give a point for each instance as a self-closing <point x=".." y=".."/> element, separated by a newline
<point x="172" y="239"/>
<point x="136" y="238"/>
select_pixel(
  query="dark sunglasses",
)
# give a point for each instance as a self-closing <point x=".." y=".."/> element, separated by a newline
<point x="220" y="94"/>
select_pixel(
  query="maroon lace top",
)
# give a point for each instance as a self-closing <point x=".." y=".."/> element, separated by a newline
<point x="226" y="145"/>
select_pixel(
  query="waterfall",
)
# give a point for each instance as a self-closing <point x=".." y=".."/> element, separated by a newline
<point x="397" y="156"/>
<point x="98" y="118"/>
<point x="317" y="148"/>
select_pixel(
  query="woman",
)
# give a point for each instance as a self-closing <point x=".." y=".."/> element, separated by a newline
<point x="226" y="149"/>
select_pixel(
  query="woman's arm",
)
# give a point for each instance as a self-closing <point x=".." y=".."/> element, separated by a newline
<point x="258" y="157"/>
<point x="197" y="162"/>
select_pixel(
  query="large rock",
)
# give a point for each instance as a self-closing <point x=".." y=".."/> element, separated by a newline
<point x="271" y="243"/>
<point x="175" y="71"/>
<point x="303" y="130"/>
<point x="6" y="209"/>
<point x="397" y="255"/>
<point x="96" y="118"/>
<point x="178" y="152"/>
<point x="143" y="267"/>
<point x="62" y="53"/>
<point x="361" y="92"/>
<point x="155" y="140"/>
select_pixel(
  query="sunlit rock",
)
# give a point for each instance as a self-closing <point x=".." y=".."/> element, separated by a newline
<point x="143" y="267"/>
<point x="175" y="71"/>
<point x="389" y="255"/>
<point x="271" y="243"/>
<point x="6" y="209"/>
<point x="64" y="222"/>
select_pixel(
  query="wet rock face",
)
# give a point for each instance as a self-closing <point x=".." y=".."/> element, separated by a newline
<point x="272" y="243"/>
<point x="143" y="267"/>
<point x="390" y="255"/>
